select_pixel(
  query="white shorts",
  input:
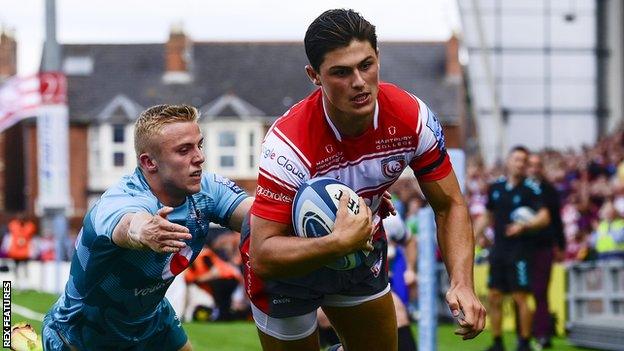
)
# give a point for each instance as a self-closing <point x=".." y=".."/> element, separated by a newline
<point x="300" y="327"/>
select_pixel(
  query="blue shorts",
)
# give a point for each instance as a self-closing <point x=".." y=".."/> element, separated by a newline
<point x="169" y="337"/>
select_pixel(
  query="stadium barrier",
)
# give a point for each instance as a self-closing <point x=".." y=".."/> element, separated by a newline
<point x="556" y="296"/>
<point x="37" y="275"/>
<point x="596" y="304"/>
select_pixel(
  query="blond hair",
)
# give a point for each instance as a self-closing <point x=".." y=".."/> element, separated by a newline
<point x="152" y="120"/>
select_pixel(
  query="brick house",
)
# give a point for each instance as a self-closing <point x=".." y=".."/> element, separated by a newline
<point x="239" y="87"/>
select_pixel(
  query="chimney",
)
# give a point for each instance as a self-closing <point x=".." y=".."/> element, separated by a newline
<point x="453" y="67"/>
<point x="8" y="54"/>
<point x="178" y="57"/>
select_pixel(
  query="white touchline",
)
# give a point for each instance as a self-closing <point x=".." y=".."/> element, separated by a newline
<point x="26" y="312"/>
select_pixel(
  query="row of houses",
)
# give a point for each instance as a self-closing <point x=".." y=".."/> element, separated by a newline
<point x="239" y="87"/>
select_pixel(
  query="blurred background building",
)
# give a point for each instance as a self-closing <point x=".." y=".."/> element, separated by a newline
<point x="543" y="73"/>
<point x="239" y="87"/>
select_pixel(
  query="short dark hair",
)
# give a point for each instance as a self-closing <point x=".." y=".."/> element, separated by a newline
<point x="335" y="29"/>
<point x="520" y="148"/>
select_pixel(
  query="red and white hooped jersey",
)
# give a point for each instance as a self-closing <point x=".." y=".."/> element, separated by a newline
<point x="304" y="144"/>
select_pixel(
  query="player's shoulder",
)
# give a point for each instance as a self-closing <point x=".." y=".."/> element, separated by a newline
<point x="130" y="186"/>
<point x="532" y="185"/>
<point x="211" y="182"/>
<point x="303" y="113"/>
<point x="398" y="103"/>
<point x="288" y="140"/>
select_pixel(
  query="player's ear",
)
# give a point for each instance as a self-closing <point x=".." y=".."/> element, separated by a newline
<point x="314" y="77"/>
<point x="148" y="163"/>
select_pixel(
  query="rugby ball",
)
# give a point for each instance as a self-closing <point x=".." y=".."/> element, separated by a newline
<point x="522" y="215"/>
<point x="314" y="212"/>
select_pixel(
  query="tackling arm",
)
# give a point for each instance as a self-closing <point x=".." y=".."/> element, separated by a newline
<point x="142" y="231"/>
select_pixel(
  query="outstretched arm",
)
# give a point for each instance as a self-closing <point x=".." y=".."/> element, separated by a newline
<point x="237" y="217"/>
<point x="456" y="242"/>
<point x="144" y="231"/>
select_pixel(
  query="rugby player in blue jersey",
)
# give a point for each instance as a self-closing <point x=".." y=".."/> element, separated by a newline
<point x="142" y="233"/>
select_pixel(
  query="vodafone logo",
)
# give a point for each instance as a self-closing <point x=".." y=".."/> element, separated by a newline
<point x="329" y="148"/>
<point x="392" y="130"/>
<point x="177" y="263"/>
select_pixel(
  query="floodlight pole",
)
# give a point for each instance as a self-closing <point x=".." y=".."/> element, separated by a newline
<point x="52" y="144"/>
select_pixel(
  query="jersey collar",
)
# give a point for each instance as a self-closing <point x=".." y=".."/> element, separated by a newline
<point x="333" y="127"/>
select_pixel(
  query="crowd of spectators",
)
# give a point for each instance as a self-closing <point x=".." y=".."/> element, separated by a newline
<point x="590" y="182"/>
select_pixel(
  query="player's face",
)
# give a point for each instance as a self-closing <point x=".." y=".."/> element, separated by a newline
<point x="516" y="163"/>
<point x="349" y="77"/>
<point x="180" y="158"/>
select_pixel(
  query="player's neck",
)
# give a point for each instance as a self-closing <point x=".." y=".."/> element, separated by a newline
<point x="164" y="195"/>
<point x="348" y="125"/>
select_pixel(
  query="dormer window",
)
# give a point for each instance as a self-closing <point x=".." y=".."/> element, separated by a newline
<point x="78" y="65"/>
<point x="119" y="135"/>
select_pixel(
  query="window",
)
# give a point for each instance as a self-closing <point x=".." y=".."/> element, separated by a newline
<point x="78" y="65"/>
<point x="252" y="139"/>
<point x="119" y="159"/>
<point x="226" y="161"/>
<point x="227" y="138"/>
<point x="119" y="135"/>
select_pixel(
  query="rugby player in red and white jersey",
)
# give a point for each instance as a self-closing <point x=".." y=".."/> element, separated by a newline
<point x="363" y="133"/>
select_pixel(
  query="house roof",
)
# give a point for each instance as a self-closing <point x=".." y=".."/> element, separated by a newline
<point x="264" y="78"/>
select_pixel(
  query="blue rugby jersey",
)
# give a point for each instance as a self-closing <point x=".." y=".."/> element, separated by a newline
<point x="116" y="294"/>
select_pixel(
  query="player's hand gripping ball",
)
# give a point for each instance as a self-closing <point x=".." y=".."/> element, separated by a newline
<point x="314" y="213"/>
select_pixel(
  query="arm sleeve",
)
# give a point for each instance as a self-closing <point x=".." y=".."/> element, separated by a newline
<point x="277" y="185"/>
<point x="431" y="161"/>
<point x="115" y="204"/>
<point x="226" y="194"/>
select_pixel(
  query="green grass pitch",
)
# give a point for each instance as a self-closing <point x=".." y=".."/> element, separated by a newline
<point x="239" y="336"/>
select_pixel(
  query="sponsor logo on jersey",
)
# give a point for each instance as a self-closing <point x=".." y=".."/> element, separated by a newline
<point x="265" y="192"/>
<point x="290" y="166"/>
<point x="330" y="160"/>
<point x="392" y="130"/>
<point x="393" y="166"/>
<point x="177" y="263"/>
<point x="151" y="289"/>
<point x="229" y="183"/>
<point x="394" y="143"/>
<point x="268" y="153"/>
<point x="329" y="148"/>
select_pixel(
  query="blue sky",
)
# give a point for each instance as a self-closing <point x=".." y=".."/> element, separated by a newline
<point x="133" y="21"/>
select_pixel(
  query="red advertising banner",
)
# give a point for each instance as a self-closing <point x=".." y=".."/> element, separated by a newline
<point x="21" y="97"/>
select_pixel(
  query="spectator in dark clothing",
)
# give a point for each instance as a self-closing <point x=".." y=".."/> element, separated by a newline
<point x="509" y="199"/>
<point x="548" y="243"/>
